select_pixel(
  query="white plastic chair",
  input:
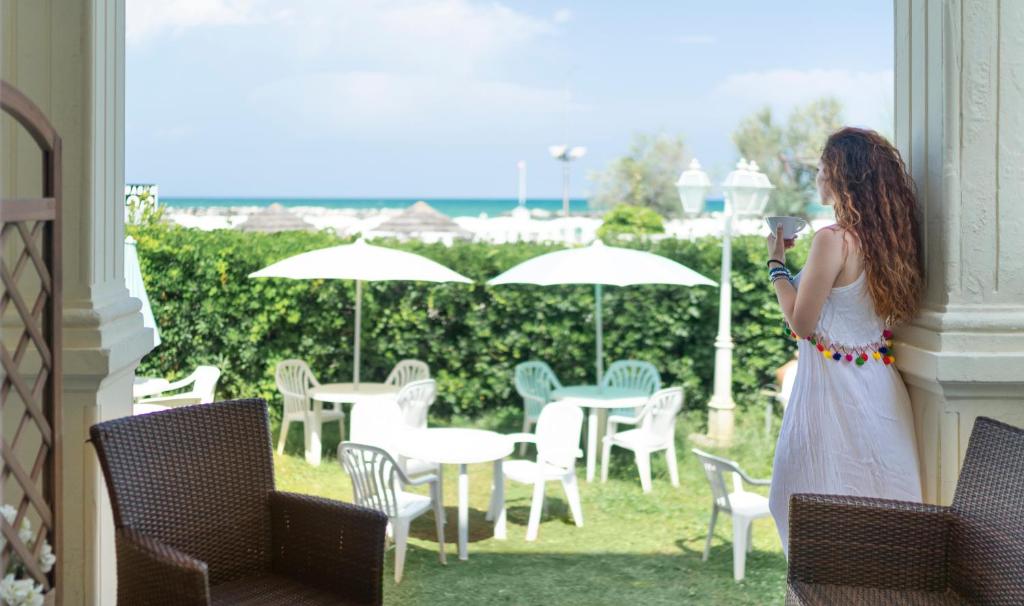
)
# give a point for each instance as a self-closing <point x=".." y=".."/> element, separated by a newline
<point x="407" y="371"/>
<point x="415" y="400"/>
<point x="743" y="506"/>
<point x="203" y="382"/>
<point x="377" y="482"/>
<point x="558" y="446"/>
<point x="656" y="431"/>
<point x="380" y="423"/>
<point x="781" y="396"/>
<point x="295" y="380"/>
<point x="534" y="381"/>
<point x="631" y="374"/>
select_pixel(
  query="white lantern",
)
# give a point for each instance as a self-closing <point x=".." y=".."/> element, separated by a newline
<point x="693" y="186"/>
<point x="746" y="190"/>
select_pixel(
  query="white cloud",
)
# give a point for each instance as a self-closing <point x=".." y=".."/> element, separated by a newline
<point x="562" y="15"/>
<point x="697" y="39"/>
<point x="377" y="106"/>
<point x="866" y="96"/>
<point x="147" y="19"/>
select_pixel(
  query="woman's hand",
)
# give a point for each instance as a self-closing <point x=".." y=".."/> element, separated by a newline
<point x="777" y="245"/>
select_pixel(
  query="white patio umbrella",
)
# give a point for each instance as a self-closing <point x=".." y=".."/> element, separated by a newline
<point x="361" y="262"/>
<point x="601" y="265"/>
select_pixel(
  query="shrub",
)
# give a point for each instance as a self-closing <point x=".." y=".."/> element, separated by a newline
<point x="472" y="335"/>
<point x="630" y="221"/>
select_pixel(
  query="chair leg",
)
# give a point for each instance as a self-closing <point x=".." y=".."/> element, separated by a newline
<point x="643" y="465"/>
<point x="673" y="464"/>
<point x="535" y="510"/>
<point x="740" y="525"/>
<point x="281" y="439"/>
<point x="711" y="533"/>
<point x="435" y="494"/>
<point x="401" y="526"/>
<point x="526" y="429"/>
<point x="606" y="453"/>
<point x="572" y="493"/>
<point x="750" y="537"/>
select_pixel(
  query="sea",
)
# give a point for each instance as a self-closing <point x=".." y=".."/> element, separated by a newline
<point x="453" y="207"/>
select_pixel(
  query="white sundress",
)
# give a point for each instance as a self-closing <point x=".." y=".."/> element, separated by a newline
<point x="848" y="428"/>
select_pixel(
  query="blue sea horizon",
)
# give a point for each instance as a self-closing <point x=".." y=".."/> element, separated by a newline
<point x="453" y="207"/>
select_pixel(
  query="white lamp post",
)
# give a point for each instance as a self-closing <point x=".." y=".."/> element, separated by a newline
<point x="746" y="192"/>
<point x="565" y="155"/>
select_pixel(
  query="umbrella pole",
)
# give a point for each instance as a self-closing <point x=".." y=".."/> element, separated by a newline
<point x="359" y="326"/>
<point x="600" y="332"/>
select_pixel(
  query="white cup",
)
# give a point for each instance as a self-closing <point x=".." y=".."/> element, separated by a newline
<point x="790" y="225"/>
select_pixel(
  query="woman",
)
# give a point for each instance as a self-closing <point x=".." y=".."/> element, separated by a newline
<point x="848" y="428"/>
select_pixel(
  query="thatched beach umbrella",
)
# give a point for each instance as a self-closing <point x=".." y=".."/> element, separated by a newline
<point x="275" y="218"/>
<point x="421" y="219"/>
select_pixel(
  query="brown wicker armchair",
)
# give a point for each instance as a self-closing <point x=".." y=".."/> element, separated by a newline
<point x="849" y="550"/>
<point x="198" y="521"/>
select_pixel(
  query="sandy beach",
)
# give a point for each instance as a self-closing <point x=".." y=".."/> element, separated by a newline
<point x="537" y="227"/>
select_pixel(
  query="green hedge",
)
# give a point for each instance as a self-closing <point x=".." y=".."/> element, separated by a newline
<point x="210" y="312"/>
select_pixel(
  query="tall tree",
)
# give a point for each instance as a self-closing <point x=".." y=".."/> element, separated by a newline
<point x="644" y="177"/>
<point x="788" y="153"/>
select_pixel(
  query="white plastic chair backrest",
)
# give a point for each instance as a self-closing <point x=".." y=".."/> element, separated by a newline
<point x="659" y="414"/>
<point x="407" y="371"/>
<point x="715" y="469"/>
<point x="633" y="374"/>
<point x="415" y="400"/>
<point x="294" y="380"/>
<point x="374" y="476"/>
<point x="535" y="379"/>
<point x="558" y="434"/>
<point x="205" y="383"/>
<point x="377" y="423"/>
<point x="788" y="380"/>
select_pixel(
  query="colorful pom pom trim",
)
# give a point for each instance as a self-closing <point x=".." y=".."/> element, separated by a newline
<point x="881" y="351"/>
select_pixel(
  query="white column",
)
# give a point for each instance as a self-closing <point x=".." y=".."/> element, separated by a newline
<point x="68" y="56"/>
<point x="960" y="128"/>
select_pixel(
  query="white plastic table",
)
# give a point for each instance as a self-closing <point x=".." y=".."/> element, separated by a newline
<point x="338" y="394"/>
<point x="349" y="393"/>
<point x="456" y="446"/>
<point x="598" y="400"/>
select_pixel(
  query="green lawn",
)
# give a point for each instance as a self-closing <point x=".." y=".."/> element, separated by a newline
<point x="634" y="548"/>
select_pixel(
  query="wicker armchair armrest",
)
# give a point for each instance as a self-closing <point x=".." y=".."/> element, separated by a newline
<point x="337" y="547"/>
<point x="866" y="542"/>
<point x="153" y="574"/>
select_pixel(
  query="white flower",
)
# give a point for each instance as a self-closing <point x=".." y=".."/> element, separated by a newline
<point x="9" y="513"/>
<point x="25" y="532"/>
<point x="20" y="592"/>
<point x="46" y="557"/>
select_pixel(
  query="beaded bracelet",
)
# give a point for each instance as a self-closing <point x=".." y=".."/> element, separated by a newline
<point x="778" y="273"/>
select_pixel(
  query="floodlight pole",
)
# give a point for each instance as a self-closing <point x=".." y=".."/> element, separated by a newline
<point x="359" y="327"/>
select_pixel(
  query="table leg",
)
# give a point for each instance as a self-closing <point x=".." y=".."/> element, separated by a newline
<point x="463" y="512"/>
<point x="592" y="419"/>
<point x="311" y="428"/>
<point x="498" y="500"/>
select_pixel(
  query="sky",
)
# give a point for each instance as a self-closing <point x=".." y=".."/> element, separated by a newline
<point x="441" y="98"/>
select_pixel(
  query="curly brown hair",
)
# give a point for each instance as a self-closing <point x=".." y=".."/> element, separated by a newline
<point x="875" y="200"/>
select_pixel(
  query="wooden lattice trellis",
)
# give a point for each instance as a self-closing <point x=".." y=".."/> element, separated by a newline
<point x="30" y="378"/>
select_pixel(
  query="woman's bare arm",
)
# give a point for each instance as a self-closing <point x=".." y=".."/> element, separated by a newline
<point x="824" y="262"/>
